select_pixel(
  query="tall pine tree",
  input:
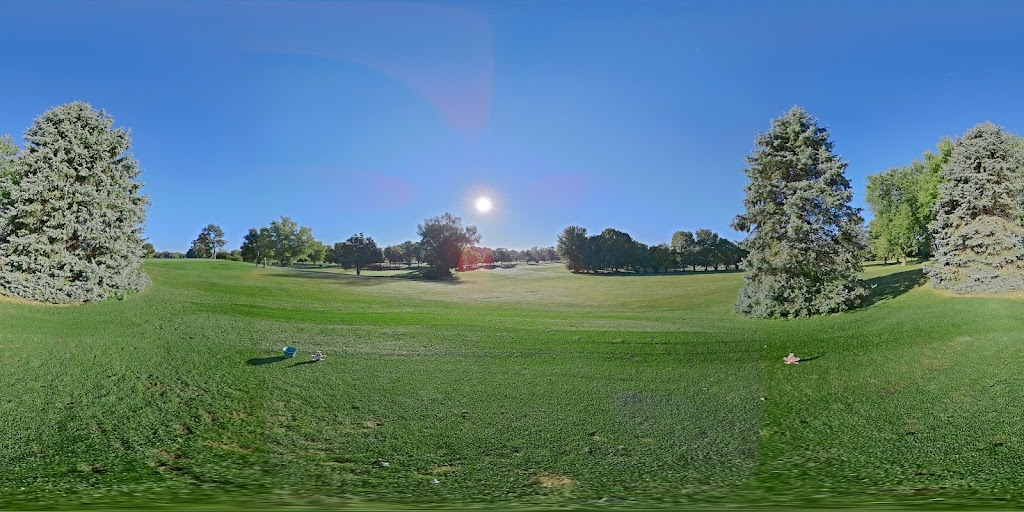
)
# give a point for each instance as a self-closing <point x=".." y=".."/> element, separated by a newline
<point x="805" y="241"/>
<point x="977" y="228"/>
<point x="71" y="222"/>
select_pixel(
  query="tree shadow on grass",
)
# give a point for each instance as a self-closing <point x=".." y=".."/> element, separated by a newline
<point x="366" y="279"/>
<point x="257" y="361"/>
<point x="626" y="273"/>
<point x="893" y="285"/>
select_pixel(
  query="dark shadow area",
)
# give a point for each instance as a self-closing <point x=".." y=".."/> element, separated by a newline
<point x="303" y="363"/>
<point x="875" y="263"/>
<point x="366" y="279"/>
<point x="257" y="361"/>
<point x="892" y="286"/>
<point x="669" y="273"/>
<point x="812" y="358"/>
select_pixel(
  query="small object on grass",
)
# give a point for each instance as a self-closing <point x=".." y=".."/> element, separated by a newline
<point x="791" y="359"/>
<point x="435" y="481"/>
<point x="289" y="351"/>
<point x="317" y="356"/>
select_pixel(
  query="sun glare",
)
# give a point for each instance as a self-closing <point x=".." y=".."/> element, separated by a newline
<point x="483" y="204"/>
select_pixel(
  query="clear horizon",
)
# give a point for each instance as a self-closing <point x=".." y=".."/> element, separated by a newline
<point x="371" y="117"/>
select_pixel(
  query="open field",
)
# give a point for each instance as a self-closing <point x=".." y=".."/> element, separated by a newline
<point x="528" y="386"/>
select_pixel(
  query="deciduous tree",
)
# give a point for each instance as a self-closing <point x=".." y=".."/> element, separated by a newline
<point x="358" y="252"/>
<point x="685" y="247"/>
<point x="572" y="247"/>
<point x="209" y="241"/>
<point x="394" y="254"/>
<point x="317" y="252"/>
<point x="902" y="203"/>
<point x="257" y="245"/>
<point x="290" y="240"/>
<point x="443" y="238"/>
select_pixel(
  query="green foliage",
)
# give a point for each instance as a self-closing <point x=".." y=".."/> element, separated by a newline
<point x="572" y="247"/>
<point x="284" y="241"/>
<point x="71" y="212"/>
<point x="209" y="241"/>
<point x="804" y="239"/>
<point x="660" y="257"/>
<point x="728" y="253"/>
<point x="394" y="254"/>
<point x="148" y="251"/>
<point x="235" y="255"/>
<point x="685" y="247"/>
<point x="902" y="202"/>
<point x="169" y="255"/>
<point x="289" y="240"/>
<point x="410" y="251"/>
<point x="317" y="252"/>
<point x="977" y="228"/>
<point x="443" y="238"/>
<point x="358" y="252"/>
<point x="8" y="151"/>
<point x="503" y="255"/>
<point x="257" y="245"/>
<point x="614" y="249"/>
<point x="707" y="242"/>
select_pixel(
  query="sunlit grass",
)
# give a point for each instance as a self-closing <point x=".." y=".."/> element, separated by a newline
<point x="525" y="386"/>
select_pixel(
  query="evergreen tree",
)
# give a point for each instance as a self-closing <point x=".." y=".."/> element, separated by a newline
<point x="8" y="150"/>
<point x="805" y="240"/>
<point x="977" y="228"/>
<point x="71" y="216"/>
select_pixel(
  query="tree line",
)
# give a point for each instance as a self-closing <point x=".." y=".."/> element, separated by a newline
<point x="444" y="245"/>
<point x="72" y="216"/>
<point x="614" y="250"/>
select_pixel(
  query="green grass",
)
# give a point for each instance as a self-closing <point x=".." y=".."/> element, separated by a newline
<point x="639" y="390"/>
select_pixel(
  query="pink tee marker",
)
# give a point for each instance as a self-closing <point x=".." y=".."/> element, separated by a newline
<point x="791" y="359"/>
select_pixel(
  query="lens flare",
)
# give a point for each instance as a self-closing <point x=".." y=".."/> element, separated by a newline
<point x="483" y="204"/>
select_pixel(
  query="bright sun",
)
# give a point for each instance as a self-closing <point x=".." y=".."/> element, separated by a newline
<point x="483" y="204"/>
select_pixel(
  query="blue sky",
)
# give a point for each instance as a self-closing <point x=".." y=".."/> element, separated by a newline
<point x="371" y="116"/>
